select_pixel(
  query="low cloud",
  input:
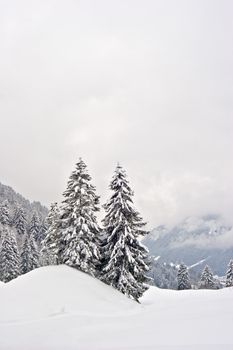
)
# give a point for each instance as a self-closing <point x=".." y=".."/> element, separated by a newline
<point x="146" y="84"/>
<point x="223" y="241"/>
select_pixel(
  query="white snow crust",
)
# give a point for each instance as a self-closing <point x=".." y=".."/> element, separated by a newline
<point x="60" y="308"/>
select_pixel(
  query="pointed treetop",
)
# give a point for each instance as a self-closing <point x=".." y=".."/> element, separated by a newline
<point x="81" y="164"/>
<point x="118" y="165"/>
<point x="120" y="182"/>
<point x="120" y="169"/>
<point x="80" y="173"/>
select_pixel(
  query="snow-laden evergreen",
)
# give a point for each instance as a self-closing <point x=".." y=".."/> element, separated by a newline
<point x="4" y="213"/>
<point x="29" y="259"/>
<point x="42" y="231"/>
<point x="50" y="244"/>
<point x="229" y="275"/>
<point x="207" y="279"/>
<point x="9" y="256"/>
<point x="53" y="215"/>
<point x="20" y="220"/>
<point x="183" y="279"/>
<point x="79" y="231"/>
<point x="34" y="226"/>
<point x="125" y="259"/>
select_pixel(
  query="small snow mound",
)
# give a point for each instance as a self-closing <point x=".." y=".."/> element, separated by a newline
<point x="58" y="290"/>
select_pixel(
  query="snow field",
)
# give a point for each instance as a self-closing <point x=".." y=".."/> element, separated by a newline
<point x="60" y="308"/>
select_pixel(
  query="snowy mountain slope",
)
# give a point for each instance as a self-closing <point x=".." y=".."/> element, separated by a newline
<point x="63" y="309"/>
<point x="196" y="241"/>
<point x="14" y="198"/>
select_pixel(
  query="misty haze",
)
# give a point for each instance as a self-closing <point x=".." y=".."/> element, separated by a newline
<point x="116" y="177"/>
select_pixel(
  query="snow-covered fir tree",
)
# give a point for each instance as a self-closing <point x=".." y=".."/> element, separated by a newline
<point x="4" y="213"/>
<point x="79" y="231"/>
<point x="42" y="230"/>
<point x="125" y="259"/>
<point x="29" y="259"/>
<point x="53" y="215"/>
<point x="9" y="256"/>
<point x="34" y="226"/>
<point x="183" y="279"/>
<point x="50" y="244"/>
<point x="229" y="275"/>
<point x="207" y="279"/>
<point x="20" y="220"/>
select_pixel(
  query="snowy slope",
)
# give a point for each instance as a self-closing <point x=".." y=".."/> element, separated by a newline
<point x="63" y="309"/>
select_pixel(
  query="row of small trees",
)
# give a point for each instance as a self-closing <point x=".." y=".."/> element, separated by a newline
<point x="207" y="280"/>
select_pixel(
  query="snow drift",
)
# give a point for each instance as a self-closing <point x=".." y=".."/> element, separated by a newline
<point x="64" y="309"/>
<point x="54" y="290"/>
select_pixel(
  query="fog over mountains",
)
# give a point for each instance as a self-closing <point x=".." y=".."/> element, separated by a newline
<point x="196" y="241"/>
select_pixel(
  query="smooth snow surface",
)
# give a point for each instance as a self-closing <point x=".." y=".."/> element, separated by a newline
<point x="62" y="309"/>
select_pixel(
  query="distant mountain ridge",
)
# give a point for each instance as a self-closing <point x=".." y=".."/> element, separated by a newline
<point x="14" y="198"/>
<point x="196" y="241"/>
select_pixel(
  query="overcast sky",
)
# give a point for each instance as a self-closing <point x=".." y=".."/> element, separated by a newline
<point x="145" y="83"/>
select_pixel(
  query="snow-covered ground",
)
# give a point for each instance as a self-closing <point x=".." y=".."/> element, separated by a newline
<point x="62" y="309"/>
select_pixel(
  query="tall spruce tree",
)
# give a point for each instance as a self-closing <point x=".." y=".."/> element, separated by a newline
<point x="20" y="220"/>
<point x="125" y="259"/>
<point x="79" y="231"/>
<point x="34" y="226"/>
<point x="50" y="244"/>
<point x="4" y="213"/>
<point x="207" y="279"/>
<point x="183" y="279"/>
<point x="229" y="275"/>
<point x="29" y="259"/>
<point x="9" y="256"/>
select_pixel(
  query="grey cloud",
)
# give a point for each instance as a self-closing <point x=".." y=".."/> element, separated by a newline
<point x="224" y="241"/>
<point x="149" y="84"/>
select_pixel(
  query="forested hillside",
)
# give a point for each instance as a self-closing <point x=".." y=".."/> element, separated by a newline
<point x="14" y="199"/>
